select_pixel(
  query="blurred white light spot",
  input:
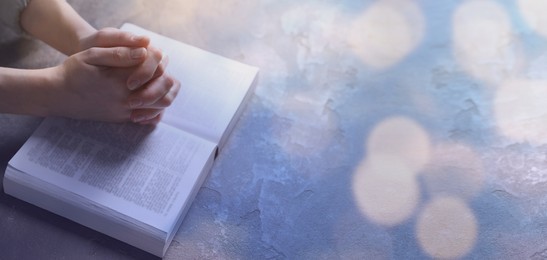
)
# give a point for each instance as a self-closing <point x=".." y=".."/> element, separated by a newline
<point x="387" y="32"/>
<point x="385" y="190"/>
<point x="534" y="12"/>
<point x="401" y="138"/>
<point x="455" y="170"/>
<point x="520" y="110"/>
<point x="484" y="43"/>
<point x="446" y="228"/>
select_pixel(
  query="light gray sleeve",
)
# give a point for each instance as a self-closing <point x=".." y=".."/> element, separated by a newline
<point x="10" y="10"/>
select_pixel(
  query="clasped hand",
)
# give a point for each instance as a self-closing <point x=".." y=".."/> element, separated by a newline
<point x="116" y="76"/>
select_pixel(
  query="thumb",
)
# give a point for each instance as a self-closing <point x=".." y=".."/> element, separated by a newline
<point x="115" y="57"/>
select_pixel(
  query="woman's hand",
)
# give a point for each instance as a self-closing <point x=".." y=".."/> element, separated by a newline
<point x="154" y="90"/>
<point x="91" y="84"/>
<point x="152" y="66"/>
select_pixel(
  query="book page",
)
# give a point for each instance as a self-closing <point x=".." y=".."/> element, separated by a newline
<point x="213" y="87"/>
<point x="143" y="172"/>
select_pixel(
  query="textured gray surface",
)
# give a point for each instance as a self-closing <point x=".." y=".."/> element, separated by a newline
<point x="378" y="130"/>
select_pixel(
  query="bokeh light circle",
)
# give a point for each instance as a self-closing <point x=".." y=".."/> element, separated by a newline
<point x="446" y="228"/>
<point x="387" y="32"/>
<point x="484" y="42"/>
<point x="401" y="138"/>
<point x="385" y="190"/>
<point x="520" y="110"/>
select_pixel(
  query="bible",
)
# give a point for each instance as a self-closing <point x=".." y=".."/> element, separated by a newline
<point x="135" y="183"/>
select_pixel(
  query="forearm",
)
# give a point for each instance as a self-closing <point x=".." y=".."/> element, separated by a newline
<point x="56" y="23"/>
<point x="27" y="92"/>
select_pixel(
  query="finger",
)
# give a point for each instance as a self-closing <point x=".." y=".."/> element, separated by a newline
<point x="112" y="37"/>
<point x="146" y="71"/>
<point x="161" y="68"/>
<point x="153" y="121"/>
<point x="115" y="57"/>
<point x="168" y="99"/>
<point x="155" y="93"/>
<point x="143" y="115"/>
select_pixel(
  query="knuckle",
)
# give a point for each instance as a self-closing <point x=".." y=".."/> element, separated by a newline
<point x="118" y="53"/>
<point x="123" y="36"/>
<point x="92" y="53"/>
<point x="103" y="34"/>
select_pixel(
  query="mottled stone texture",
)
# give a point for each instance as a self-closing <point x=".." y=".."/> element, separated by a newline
<point x="390" y="129"/>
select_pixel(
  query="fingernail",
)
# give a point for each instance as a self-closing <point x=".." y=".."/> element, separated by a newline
<point x="138" y="38"/>
<point x="164" y="59"/>
<point x="133" y="84"/>
<point x="139" y="119"/>
<point x="134" y="103"/>
<point x="138" y="53"/>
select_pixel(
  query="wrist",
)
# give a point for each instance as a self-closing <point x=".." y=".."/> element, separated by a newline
<point x="28" y="92"/>
<point x="54" y="91"/>
<point x="46" y="85"/>
<point x="56" y="23"/>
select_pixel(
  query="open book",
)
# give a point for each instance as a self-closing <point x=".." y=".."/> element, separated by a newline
<point x="136" y="183"/>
